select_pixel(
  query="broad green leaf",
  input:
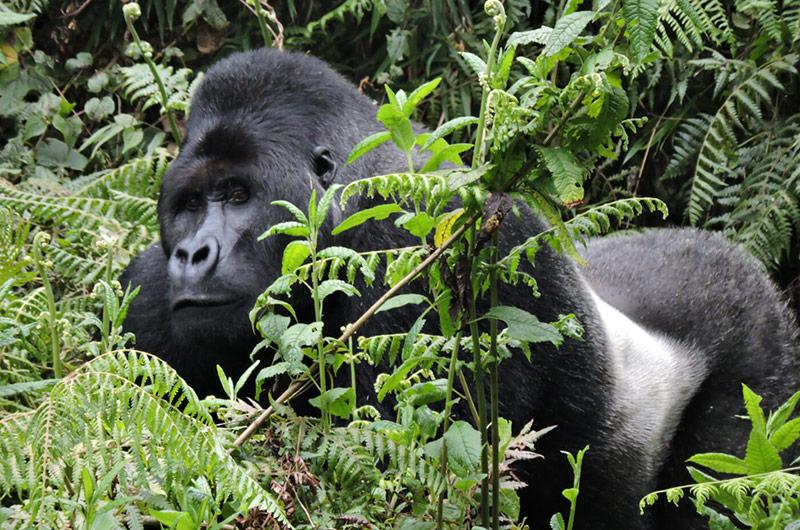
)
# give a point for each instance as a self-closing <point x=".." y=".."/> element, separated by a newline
<point x="720" y="462"/>
<point x="641" y="17"/>
<point x="557" y="522"/>
<point x="426" y="392"/>
<point x="399" y="126"/>
<point x="420" y="93"/>
<point x="475" y="63"/>
<point x="761" y="456"/>
<point x="523" y="326"/>
<point x="786" y="435"/>
<point x="420" y="224"/>
<point x="337" y="401"/>
<point x="571" y="494"/>
<point x="567" y="175"/>
<point x="172" y="519"/>
<point x="328" y="287"/>
<point x="448" y="127"/>
<point x="271" y="371"/>
<point x="368" y="144"/>
<point x="509" y="503"/>
<point x="379" y="213"/>
<point x="294" y="255"/>
<point x="401" y="300"/>
<point x="566" y="31"/>
<point x="449" y="153"/>
<point x="538" y="36"/>
<point x="463" y="448"/>
<point x="503" y="69"/>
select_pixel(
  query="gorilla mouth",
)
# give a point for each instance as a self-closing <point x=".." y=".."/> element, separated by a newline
<point x="186" y="302"/>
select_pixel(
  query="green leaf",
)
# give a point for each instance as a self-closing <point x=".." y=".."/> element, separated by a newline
<point x="173" y="520"/>
<point x="752" y="403"/>
<point x="294" y="255"/>
<point x="289" y="228"/>
<point x="557" y="522"/>
<point x="426" y="392"/>
<point x="720" y="462"/>
<point x="88" y="485"/>
<point x="328" y="287"/>
<point x="475" y="63"/>
<point x="566" y="31"/>
<point x="523" y="326"/>
<point x="401" y="300"/>
<point x="448" y="127"/>
<point x="10" y="18"/>
<point x="325" y="203"/>
<point x="399" y="126"/>
<point x="641" y="17"/>
<point x="420" y="93"/>
<point x="55" y="153"/>
<point x="571" y="494"/>
<point x="420" y="224"/>
<point x="379" y="213"/>
<point x="368" y="144"/>
<point x="294" y="210"/>
<point x="463" y="448"/>
<point x="761" y="456"/>
<point x="567" y="175"/>
<point x="779" y="417"/>
<point x="785" y="435"/>
<point x="337" y="401"/>
<point x="538" y="36"/>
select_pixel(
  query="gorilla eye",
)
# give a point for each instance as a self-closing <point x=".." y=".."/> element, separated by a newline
<point x="193" y="202"/>
<point x="238" y="195"/>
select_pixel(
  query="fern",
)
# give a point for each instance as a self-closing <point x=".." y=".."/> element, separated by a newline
<point x="125" y="414"/>
<point x="427" y="191"/>
<point x="691" y="23"/>
<point x="138" y="85"/>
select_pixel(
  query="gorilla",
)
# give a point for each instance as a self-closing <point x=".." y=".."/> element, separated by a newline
<point x="675" y="319"/>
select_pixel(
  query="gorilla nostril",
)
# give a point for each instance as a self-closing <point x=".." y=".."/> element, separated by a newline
<point x="182" y="255"/>
<point x="201" y="255"/>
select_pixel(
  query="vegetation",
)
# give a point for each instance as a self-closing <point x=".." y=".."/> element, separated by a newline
<point x="689" y="101"/>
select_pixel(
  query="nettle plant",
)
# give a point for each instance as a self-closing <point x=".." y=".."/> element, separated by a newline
<point x="544" y="122"/>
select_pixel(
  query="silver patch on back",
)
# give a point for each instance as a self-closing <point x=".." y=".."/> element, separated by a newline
<point x="655" y="376"/>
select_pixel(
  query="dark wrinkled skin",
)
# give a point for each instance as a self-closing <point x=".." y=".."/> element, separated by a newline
<point x="267" y="125"/>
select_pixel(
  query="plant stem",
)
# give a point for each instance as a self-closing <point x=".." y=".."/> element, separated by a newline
<point x="477" y="153"/>
<point x="494" y="388"/>
<point x="448" y="405"/>
<point x="52" y="313"/>
<point x="173" y="125"/>
<point x="323" y="374"/>
<point x="262" y="24"/>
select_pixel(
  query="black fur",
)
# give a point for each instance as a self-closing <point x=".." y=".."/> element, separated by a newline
<point x="282" y="124"/>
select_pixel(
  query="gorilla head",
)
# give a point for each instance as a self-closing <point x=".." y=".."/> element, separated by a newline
<point x="254" y="135"/>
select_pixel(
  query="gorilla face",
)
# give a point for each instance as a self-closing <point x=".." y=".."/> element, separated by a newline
<point x="215" y="202"/>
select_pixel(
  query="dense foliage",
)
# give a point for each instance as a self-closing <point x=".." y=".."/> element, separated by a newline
<point x="691" y="101"/>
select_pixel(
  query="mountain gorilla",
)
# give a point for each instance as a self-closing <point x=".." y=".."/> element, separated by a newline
<point x="674" y="320"/>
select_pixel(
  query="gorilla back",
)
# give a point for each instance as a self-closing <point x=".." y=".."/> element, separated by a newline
<point x="675" y="320"/>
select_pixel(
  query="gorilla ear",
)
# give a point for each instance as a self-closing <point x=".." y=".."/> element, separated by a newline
<point x="324" y="166"/>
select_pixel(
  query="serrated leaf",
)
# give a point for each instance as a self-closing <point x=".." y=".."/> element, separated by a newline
<point x="463" y="448"/>
<point x="786" y="435"/>
<point x="376" y="212"/>
<point x="524" y="326"/>
<point x="537" y="36"/>
<point x="475" y="63"/>
<point x="641" y="17"/>
<point x="420" y="93"/>
<point x="448" y="127"/>
<point x="399" y="126"/>
<point x="752" y="403"/>
<point x="566" y="31"/>
<point x="779" y="416"/>
<point x="294" y="210"/>
<point x="325" y="203"/>
<point x="567" y="175"/>
<point x="289" y="228"/>
<point x="720" y="462"/>
<point x="761" y="456"/>
<point x="294" y="255"/>
<point x="368" y="144"/>
<point x="445" y="228"/>
<point x="328" y="287"/>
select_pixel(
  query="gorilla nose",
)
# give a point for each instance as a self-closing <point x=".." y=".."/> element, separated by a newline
<point x="194" y="259"/>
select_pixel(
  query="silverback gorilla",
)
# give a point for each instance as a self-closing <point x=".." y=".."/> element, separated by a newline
<point x="675" y="320"/>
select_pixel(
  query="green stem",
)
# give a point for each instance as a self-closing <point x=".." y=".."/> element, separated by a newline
<point x="447" y="408"/>
<point x="52" y="319"/>
<point x="481" y="396"/>
<point x="262" y="24"/>
<point x="494" y="388"/>
<point x="323" y="376"/>
<point x="173" y="125"/>
<point x="477" y="154"/>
